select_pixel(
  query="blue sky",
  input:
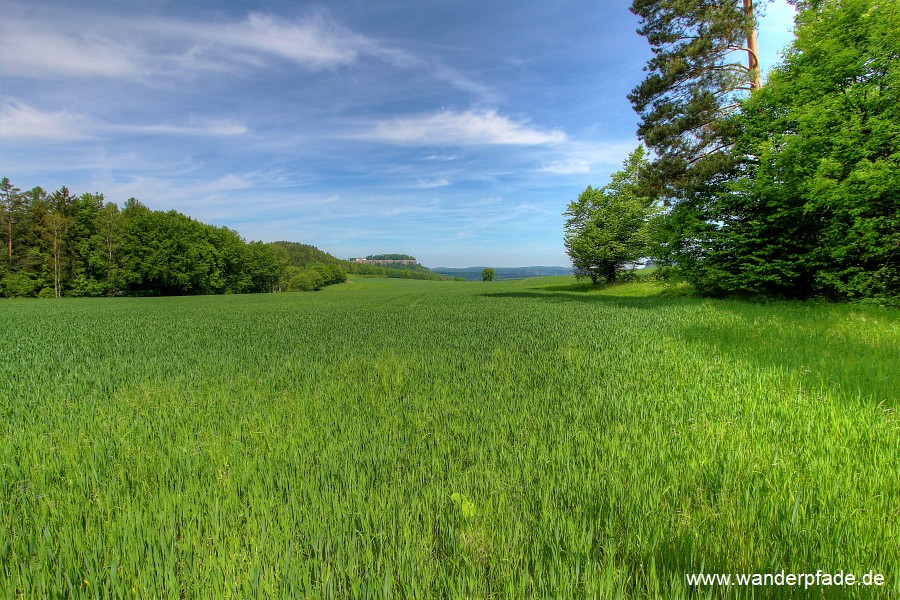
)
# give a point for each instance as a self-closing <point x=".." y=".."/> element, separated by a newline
<point x="456" y="131"/>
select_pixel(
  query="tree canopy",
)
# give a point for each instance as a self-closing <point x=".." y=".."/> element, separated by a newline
<point x="608" y="229"/>
<point x="695" y="79"/>
<point x="59" y="244"/>
<point x="790" y="189"/>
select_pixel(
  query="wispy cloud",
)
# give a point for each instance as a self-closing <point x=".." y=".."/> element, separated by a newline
<point x="431" y="184"/>
<point x="21" y="121"/>
<point x="45" y="45"/>
<point x="211" y="128"/>
<point x="450" y="128"/>
<point x="32" y="49"/>
<point x="581" y="157"/>
<point x="316" y="42"/>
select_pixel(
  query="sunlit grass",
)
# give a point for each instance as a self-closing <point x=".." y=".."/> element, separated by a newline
<point x="443" y="439"/>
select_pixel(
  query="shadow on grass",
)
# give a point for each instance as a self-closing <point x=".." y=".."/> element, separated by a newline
<point x="848" y="349"/>
<point x="592" y="295"/>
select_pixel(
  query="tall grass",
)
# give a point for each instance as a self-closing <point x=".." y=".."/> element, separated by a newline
<point x="428" y="439"/>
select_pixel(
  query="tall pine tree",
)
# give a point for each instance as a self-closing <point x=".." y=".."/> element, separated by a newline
<point x="705" y="60"/>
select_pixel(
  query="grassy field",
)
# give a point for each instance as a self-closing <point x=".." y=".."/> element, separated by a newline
<point x="416" y="439"/>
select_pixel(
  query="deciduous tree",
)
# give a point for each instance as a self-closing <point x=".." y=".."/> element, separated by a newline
<point x="609" y="228"/>
<point x="816" y="204"/>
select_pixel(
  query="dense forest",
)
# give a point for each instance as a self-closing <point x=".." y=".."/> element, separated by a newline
<point x="59" y="244"/>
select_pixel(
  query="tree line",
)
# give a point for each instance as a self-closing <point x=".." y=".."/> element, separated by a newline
<point x="60" y="244"/>
<point x="789" y="188"/>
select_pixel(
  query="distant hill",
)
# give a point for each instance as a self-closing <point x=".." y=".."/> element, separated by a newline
<point x="474" y="273"/>
<point x="304" y="255"/>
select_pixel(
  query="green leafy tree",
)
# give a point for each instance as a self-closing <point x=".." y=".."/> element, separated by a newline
<point x="487" y="274"/>
<point x="814" y="209"/>
<point x="264" y="266"/>
<point x="109" y="228"/>
<point x="609" y="228"/>
<point x="308" y="280"/>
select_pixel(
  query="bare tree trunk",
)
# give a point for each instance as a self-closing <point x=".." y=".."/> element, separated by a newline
<point x="9" y="236"/>
<point x="56" y="267"/>
<point x="752" y="47"/>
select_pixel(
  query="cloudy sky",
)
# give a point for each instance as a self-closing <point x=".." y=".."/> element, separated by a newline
<point x="453" y="130"/>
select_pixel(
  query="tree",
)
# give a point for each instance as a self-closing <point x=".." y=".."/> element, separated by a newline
<point x="33" y="256"/>
<point x="55" y="230"/>
<point x="609" y="228"/>
<point x="695" y="80"/>
<point x="487" y="274"/>
<point x="109" y="226"/>
<point x="10" y="205"/>
<point x="814" y="207"/>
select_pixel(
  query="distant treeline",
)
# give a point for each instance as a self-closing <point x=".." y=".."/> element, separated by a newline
<point x="475" y="273"/>
<point x="58" y="244"/>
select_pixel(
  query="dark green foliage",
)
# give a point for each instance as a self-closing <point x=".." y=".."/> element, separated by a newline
<point x="303" y="255"/>
<point x="694" y="81"/>
<point x="804" y="199"/>
<point x="824" y="135"/>
<point x="487" y="274"/>
<point x="10" y="214"/>
<point x="65" y="245"/>
<point x="396" y="271"/>
<point x="816" y="208"/>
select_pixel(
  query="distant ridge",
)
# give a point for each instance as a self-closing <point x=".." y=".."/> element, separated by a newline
<point x="474" y="273"/>
<point x="303" y="256"/>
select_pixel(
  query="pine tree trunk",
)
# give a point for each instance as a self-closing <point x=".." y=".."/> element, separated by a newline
<point x="752" y="48"/>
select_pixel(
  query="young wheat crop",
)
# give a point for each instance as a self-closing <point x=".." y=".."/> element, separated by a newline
<point x="439" y="439"/>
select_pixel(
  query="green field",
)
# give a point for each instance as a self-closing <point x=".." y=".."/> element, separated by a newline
<point x="418" y="439"/>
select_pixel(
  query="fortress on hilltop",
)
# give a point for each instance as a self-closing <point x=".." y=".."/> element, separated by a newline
<point x="386" y="260"/>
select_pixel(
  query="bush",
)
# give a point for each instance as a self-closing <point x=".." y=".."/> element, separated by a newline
<point x="306" y="281"/>
<point x="18" y="285"/>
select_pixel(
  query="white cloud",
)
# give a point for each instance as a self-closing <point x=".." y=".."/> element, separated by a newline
<point x="430" y="184"/>
<point x="61" y="44"/>
<point x="21" y="121"/>
<point x="581" y="157"/>
<point x="30" y="50"/>
<point x="316" y="42"/>
<point x="450" y="128"/>
<point x="211" y="128"/>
